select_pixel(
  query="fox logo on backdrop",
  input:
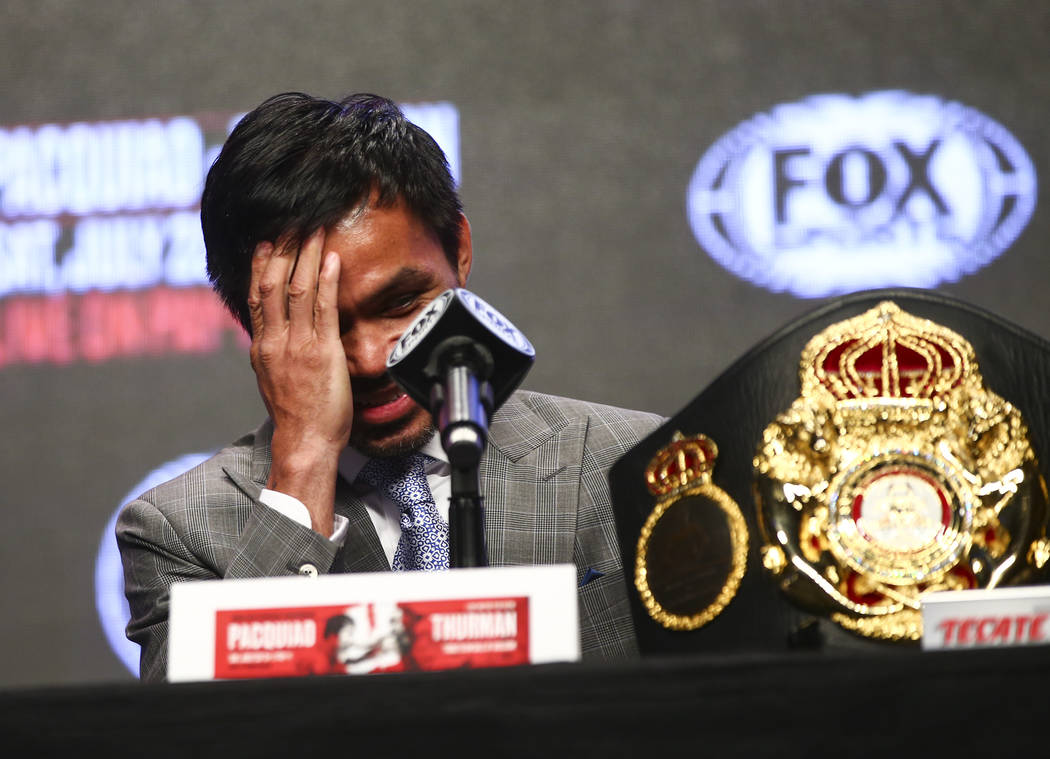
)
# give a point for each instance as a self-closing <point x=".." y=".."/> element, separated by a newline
<point x="835" y="193"/>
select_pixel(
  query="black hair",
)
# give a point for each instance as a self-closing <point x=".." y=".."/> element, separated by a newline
<point x="298" y="163"/>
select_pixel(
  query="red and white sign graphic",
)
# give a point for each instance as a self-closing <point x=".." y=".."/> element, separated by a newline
<point x="1016" y="616"/>
<point x="993" y="630"/>
<point x="372" y="637"/>
<point x="373" y="622"/>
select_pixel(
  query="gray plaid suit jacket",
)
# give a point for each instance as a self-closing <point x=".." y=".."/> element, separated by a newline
<point x="544" y="481"/>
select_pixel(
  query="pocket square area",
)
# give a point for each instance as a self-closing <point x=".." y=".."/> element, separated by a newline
<point x="590" y="575"/>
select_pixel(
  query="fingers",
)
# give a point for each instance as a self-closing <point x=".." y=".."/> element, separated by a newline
<point x="284" y="286"/>
<point x="326" y="314"/>
<point x="273" y="286"/>
<point x="302" y="287"/>
<point x="260" y="258"/>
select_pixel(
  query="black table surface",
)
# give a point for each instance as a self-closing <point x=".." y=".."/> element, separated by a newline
<point x="798" y="704"/>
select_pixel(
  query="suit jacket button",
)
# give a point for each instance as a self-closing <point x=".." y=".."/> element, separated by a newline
<point x="308" y="570"/>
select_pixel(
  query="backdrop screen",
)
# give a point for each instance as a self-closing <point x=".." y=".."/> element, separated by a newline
<point x="652" y="188"/>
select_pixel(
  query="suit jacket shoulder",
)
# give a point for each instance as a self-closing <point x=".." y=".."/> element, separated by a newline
<point x="206" y="524"/>
<point x="526" y="410"/>
<point x="545" y="481"/>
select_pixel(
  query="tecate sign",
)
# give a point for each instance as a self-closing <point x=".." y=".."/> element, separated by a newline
<point x="836" y="193"/>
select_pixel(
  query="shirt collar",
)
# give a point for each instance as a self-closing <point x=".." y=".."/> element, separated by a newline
<point x="352" y="461"/>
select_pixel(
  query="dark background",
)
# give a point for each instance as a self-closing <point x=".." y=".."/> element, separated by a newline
<point x="580" y="127"/>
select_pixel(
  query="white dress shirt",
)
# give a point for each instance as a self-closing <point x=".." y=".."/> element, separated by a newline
<point x="384" y="513"/>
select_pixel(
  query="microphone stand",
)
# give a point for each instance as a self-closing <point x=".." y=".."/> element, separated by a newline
<point x="462" y="404"/>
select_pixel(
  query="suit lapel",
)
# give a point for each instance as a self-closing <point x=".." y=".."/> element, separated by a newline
<point x="361" y="551"/>
<point x="530" y="479"/>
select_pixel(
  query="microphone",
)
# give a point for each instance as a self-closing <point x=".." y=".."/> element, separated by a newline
<point x="461" y="359"/>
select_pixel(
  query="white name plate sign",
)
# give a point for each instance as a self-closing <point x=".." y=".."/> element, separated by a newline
<point x="375" y="622"/>
<point x="1016" y="616"/>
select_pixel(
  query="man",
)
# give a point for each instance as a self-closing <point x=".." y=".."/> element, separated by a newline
<point x="328" y="227"/>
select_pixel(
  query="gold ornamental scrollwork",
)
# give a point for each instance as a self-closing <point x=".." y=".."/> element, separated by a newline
<point x="895" y="473"/>
<point x="692" y="550"/>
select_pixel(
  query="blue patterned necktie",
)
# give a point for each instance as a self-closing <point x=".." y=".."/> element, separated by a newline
<point x="424" y="534"/>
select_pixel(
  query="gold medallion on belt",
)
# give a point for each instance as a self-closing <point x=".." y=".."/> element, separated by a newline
<point x="895" y="473"/>
<point x="692" y="550"/>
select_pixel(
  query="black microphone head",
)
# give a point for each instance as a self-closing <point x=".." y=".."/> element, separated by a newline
<point x="459" y="327"/>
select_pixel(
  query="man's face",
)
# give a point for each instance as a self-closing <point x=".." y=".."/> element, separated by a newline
<point x="391" y="267"/>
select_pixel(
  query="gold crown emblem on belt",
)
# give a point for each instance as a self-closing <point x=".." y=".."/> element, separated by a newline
<point x="896" y="472"/>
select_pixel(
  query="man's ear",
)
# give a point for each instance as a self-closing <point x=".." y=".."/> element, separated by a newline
<point x="465" y="254"/>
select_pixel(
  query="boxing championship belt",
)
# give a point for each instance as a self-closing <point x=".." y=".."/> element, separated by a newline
<point x="857" y="459"/>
